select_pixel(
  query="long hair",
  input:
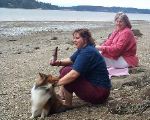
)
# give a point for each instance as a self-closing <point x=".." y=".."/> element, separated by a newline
<point x="86" y="35"/>
<point x="122" y="16"/>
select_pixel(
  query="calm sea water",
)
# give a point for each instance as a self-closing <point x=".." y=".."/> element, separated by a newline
<point x="40" y="20"/>
<point x="7" y="14"/>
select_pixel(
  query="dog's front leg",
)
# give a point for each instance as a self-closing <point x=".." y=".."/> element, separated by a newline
<point x="44" y="113"/>
<point x="33" y="115"/>
<point x="35" y="112"/>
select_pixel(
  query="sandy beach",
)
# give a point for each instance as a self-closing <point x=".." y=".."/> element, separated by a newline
<point x="25" y="50"/>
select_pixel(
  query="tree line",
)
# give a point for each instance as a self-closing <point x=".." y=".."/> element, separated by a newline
<point x="33" y="4"/>
<point x="27" y="4"/>
<point x="109" y="9"/>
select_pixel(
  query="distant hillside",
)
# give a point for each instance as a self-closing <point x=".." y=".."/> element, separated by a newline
<point x="27" y="4"/>
<point x="108" y="9"/>
<point x="33" y="4"/>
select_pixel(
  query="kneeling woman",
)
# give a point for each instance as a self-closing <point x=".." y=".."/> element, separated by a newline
<point x="119" y="50"/>
<point x="85" y="72"/>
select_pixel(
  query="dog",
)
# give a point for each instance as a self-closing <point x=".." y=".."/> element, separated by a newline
<point x="44" y="99"/>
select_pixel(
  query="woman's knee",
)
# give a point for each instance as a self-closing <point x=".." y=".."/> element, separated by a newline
<point x="63" y="71"/>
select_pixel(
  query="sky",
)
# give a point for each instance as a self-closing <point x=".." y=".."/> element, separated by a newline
<point x="141" y="4"/>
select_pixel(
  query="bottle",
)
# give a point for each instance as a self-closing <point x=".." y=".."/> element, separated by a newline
<point x="54" y="55"/>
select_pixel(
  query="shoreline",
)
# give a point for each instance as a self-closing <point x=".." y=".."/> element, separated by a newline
<point x="22" y="57"/>
<point x="56" y="15"/>
<point x="16" y="28"/>
<point x="26" y="27"/>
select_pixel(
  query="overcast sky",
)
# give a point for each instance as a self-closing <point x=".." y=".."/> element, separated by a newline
<point x="107" y="3"/>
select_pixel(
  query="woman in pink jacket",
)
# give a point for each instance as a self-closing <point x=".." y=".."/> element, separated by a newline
<point x="119" y="50"/>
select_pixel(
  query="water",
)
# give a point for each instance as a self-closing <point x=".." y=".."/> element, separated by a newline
<point x="7" y="14"/>
<point x="52" y="20"/>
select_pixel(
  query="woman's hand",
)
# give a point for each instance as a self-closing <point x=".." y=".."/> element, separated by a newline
<point x="64" y="62"/>
<point x="55" y="63"/>
<point x="68" y="78"/>
<point x="98" y="47"/>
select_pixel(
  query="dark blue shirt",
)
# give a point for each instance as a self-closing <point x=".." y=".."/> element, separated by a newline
<point x="90" y="64"/>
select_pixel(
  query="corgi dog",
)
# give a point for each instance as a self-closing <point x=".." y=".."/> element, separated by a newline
<point x="44" y="99"/>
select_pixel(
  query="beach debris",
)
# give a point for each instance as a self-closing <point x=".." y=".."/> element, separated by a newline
<point x="36" y="48"/>
<point x="67" y="48"/>
<point x="54" y="38"/>
<point x="137" y="32"/>
<point x="54" y="55"/>
<point x="12" y="40"/>
<point x="29" y="51"/>
<point x="19" y="52"/>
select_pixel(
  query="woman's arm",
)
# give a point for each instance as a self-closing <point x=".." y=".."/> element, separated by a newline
<point x="69" y="77"/>
<point x="107" y="42"/>
<point x="119" y="46"/>
<point x="64" y="62"/>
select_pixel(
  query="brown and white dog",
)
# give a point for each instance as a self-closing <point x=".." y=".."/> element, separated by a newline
<point x="44" y="99"/>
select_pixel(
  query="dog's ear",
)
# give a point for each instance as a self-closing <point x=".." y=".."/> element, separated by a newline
<point x="41" y="80"/>
<point x="52" y="79"/>
<point x="43" y="76"/>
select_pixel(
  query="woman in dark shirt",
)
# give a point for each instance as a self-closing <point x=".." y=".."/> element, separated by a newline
<point x="85" y="72"/>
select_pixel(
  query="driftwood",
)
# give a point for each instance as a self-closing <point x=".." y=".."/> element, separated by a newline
<point x="54" y="55"/>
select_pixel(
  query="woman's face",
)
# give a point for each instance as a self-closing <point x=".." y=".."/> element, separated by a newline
<point x="78" y="41"/>
<point x="120" y="24"/>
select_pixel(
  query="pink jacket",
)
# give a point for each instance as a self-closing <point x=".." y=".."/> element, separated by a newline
<point x="121" y="43"/>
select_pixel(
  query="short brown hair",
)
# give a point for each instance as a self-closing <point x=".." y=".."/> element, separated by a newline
<point x="86" y="35"/>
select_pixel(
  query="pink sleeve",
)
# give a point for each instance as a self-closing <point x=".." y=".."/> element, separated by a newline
<point x="109" y="40"/>
<point x="117" y="48"/>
